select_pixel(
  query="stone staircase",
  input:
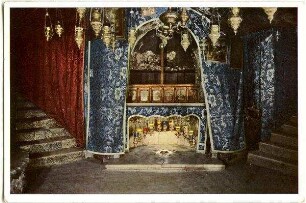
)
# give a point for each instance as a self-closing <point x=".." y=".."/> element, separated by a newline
<point x="42" y="137"/>
<point x="281" y="152"/>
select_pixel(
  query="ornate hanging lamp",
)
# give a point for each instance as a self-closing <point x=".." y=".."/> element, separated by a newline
<point x="184" y="17"/>
<point x="132" y="36"/>
<point x="48" y="26"/>
<point x="107" y="36"/>
<point x="215" y="27"/>
<point x="270" y="11"/>
<point x="81" y="12"/>
<point x="103" y="26"/>
<point x="235" y="19"/>
<point x="132" y="32"/>
<point x="185" y="40"/>
<point x="171" y="21"/>
<point x="96" y="21"/>
<point x="79" y="30"/>
<point x="214" y="34"/>
<point x="59" y="29"/>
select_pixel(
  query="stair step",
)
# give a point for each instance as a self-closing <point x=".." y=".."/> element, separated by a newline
<point x="293" y="122"/>
<point x="39" y="134"/>
<point x="268" y="161"/>
<point x="279" y="150"/>
<point x="289" y="129"/>
<point x="32" y="112"/>
<point x="61" y="156"/>
<point x="50" y="144"/>
<point x="30" y="123"/>
<point x="23" y="104"/>
<point x="284" y="139"/>
<point x="294" y="119"/>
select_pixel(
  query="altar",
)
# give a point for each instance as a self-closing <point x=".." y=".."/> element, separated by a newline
<point x="151" y="90"/>
<point x="185" y="124"/>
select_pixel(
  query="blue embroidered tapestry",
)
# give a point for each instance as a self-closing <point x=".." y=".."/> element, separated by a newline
<point x="106" y="82"/>
<point x="107" y="90"/>
<point x="260" y="76"/>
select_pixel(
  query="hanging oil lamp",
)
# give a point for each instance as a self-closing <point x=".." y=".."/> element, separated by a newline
<point x="81" y="12"/>
<point x="107" y="36"/>
<point x="132" y="37"/>
<point x="270" y="11"/>
<point x="235" y="19"/>
<point x="171" y="21"/>
<point x="214" y="34"/>
<point x="96" y="22"/>
<point x="113" y="40"/>
<point x="185" y="41"/>
<point x="79" y="32"/>
<point x="48" y="26"/>
<point x="59" y="25"/>
<point x="59" y="29"/>
<point x="184" y="17"/>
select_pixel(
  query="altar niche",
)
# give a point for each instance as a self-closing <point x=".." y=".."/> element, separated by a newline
<point x="164" y="75"/>
<point x="175" y="131"/>
<point x="165" y="99"/>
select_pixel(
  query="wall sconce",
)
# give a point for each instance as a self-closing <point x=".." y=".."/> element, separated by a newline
<point x="59" y="25"/>
<point x="270" y="11"/>
<point x="96" y="22"/>
<point x="185" y="41"/>
<point x="235" y="19"/>
<point x="214" y="34"/>
<point x="48" y="26"/>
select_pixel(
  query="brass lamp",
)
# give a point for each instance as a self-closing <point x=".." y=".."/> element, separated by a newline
<point x="185" y="41"/>
<point x="107" y="36"/>
<point x="59" y="29"/>
<point x="214" y="34"/>
<point x="96" y="22"/>
<point x="172" y="21"/>
<point x="235" y="19"/>
<point x="81" y="12"/>
<point x="132" y="36"/>
<point x="48" y="26"/>
<point x="270" y="11"/>
<point x="79" y="29"/>
<point x="79" y="32"/>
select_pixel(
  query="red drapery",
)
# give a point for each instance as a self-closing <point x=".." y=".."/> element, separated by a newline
<point x="50" y="74"/>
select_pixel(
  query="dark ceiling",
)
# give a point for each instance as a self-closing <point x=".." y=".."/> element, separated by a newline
<point x="254" y="19"/>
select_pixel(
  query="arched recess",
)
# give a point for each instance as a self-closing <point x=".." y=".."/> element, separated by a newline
<point x="141" y="31"/>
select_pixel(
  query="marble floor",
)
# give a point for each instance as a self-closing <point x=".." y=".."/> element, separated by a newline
<point x="163" y="154"/>
<point x="91" y="176"/>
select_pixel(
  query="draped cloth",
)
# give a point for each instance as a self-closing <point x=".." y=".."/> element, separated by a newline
<point x="259" y="71"/>
<point x="49" y="73"/>
<point x="224" y="87"/>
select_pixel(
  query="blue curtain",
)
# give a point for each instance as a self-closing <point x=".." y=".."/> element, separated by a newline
<point x="259" y="71"/>
<point x="224" y="87"/>
<point x="107" y="88"/>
